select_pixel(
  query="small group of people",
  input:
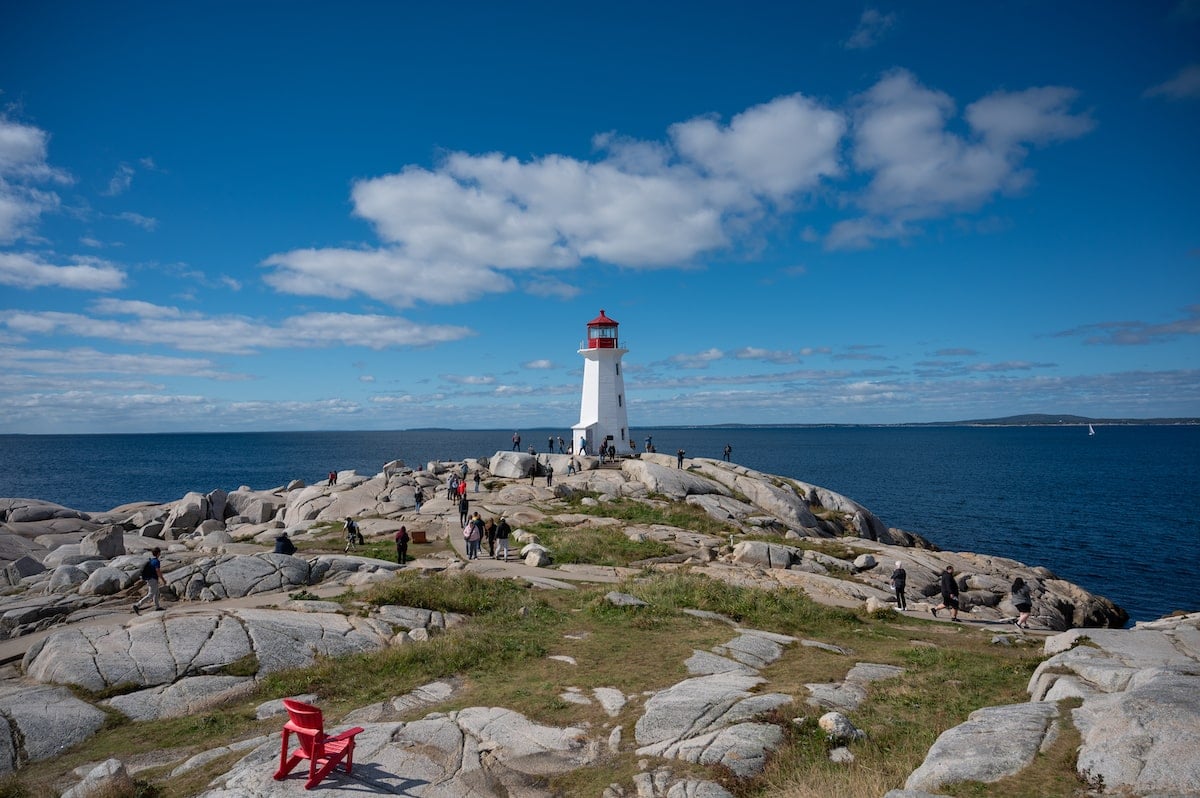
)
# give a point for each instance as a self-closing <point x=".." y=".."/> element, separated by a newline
<point x="1022" y="597"/>
<point x="476" y="531"/>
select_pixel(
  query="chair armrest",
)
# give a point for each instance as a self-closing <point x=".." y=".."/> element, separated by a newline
<point x="343" y="735"/>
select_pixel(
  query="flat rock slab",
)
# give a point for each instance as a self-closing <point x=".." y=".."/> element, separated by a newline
<point x="41" y="722"/>
<point x="1145" y="739"/>
<point x="994" y="742"/>
<point x="163" y="649"/>
<point x="185" y="697"/>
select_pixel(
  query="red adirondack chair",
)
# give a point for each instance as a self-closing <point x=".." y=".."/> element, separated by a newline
<point x="322" y="752"/>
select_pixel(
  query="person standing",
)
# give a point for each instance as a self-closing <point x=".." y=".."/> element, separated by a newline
<point x="474" y="534"/>
<point x="502" y="533"/>
<point x="516" y="442"/>
<point x="550" y="445"/>
<point x="949" y="587"/>
<point x="402" y="539"/>
<point x="679" y="458"/>
<point x="562" y="445"/>
<point x="462" y="488"/>
<point x="478" y="479"/>
<point x="649" y="443"/>
<point x="489" y="530"/>
<point x="152" y="575"/>
<point x="418" y="497"/>
<point x="463" y="507"/>
<point x="1023" y="601"/>
<point x="728" y="451"/>
<point x="452" y="487"/>
<point x="549" y="473"/>
<point x="899" y="580"/>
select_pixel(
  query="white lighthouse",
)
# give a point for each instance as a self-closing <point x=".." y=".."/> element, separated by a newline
<point x="602" y="413"/>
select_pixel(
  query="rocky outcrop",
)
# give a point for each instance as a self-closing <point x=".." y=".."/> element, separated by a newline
<point x="41" y="722"/>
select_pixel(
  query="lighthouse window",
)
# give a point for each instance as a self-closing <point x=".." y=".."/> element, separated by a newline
<point x="618" y="368"/>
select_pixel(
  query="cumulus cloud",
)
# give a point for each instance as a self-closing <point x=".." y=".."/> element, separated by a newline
<point x="921" y="169"/>
<point x="236" y="335"/>
<point x="1185" y="85"/>
<point x="29" y="270"/>
<point x="477" y="217"/>
<point x="539" y="364"/>
<point x="872" y="26"/>
<point x="24" y="170"/>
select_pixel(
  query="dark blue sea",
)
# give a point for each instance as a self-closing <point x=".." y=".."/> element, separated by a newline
<point x="1117" y="512"/>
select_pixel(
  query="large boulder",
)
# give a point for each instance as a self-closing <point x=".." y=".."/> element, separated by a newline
<point x="104" y="543"/>
<point x="675" y="483"/>
<point x="513" y="465"/>
<point x="41" y="722"/>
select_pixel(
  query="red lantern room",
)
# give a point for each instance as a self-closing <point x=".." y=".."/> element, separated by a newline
<point x="602" y="333"/>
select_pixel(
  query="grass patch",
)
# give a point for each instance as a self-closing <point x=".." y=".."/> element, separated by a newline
<point x="670" y="513"/>
<point x="596" y="546"/>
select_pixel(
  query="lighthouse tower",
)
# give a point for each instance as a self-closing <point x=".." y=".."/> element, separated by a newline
<point x="602" y="413"/>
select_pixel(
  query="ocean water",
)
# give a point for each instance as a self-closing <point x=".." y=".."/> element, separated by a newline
<point x="1118" y="512"/>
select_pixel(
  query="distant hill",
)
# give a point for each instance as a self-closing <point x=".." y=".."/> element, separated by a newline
<point x="1045" y="420"/>
<point x="1026" y="420"/>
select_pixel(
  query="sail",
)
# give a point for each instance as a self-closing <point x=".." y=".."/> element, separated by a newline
<point x="1090" y="430"/>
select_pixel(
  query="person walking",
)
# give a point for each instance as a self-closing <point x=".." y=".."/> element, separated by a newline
<point x="473" y="532"/>
<point x="728" y="451"/>
<point x="463" y="507"/>
<point x="452" y="487"/>
<point x="462" y="488"/>
<point x="353" y="536"/>
<point x="418" y="497"/>
<point x="502" y="533"/>
<point x="478" y="479"/>
<point x="899" y="580"/>
<point x="152" y="576"/>
<point x="562" y="445"/>
<point x="489" y="531"/>
<point x="1023" y="601"/>
<point x="949" y="588"/>
<point x="402" y="539"/>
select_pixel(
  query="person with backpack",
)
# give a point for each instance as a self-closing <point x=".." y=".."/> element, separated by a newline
<point x="152" y="576"/>
<point x="502" y="533"/>
<point x="402" y="539"/>
<point x="464" y="507"/>
<point x="353" y="537"/>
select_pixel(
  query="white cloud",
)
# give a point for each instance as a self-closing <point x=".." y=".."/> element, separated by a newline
<point x="121" y="180"/>
<point x="697" y="360"/>
<point x="29" y="270"/>
<point x="539" y="364"/>
<point x="777" y="149"/>
<point x="468" y="379"/>
<point x="368" y="378"/>
<point x="85" y="360"/>
<point x="553" y="289"/>
<point x="871" y="28"/>
<point x="922" y="170"/>
<point x="1185" y="85"/>
<point x="194" y="332"/>
<point x="23" y="165"/>
<point x="387" y="275"/>
<point x="144" y="222"/>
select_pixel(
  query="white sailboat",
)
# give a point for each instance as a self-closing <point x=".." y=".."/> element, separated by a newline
<point x="1090" y="430"/>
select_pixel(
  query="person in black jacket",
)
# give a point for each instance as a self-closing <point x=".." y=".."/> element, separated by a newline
<point x="284" y="544"/>
<point x="899" y="580"/>
<point x="949" y="586"/>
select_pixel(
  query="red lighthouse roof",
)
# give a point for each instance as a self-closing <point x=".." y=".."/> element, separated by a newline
<point x="602" y="321"/>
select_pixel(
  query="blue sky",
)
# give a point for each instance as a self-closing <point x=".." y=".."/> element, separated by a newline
<point x="286" y="215"/>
